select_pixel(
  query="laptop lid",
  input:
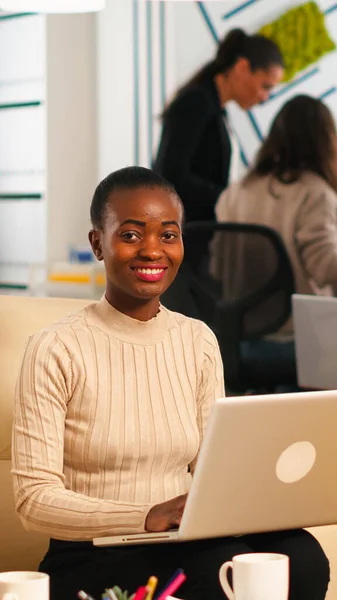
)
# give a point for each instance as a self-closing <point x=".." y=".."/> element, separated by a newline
<point x="267" y="463"/>
<point x="315" y="328"/>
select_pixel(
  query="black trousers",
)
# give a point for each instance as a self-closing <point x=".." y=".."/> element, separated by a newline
<point x="75" y="566"/>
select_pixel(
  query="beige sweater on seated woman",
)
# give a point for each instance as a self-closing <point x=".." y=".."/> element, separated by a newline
<point x="109" y="414"/>
<point x="305" y="215"/>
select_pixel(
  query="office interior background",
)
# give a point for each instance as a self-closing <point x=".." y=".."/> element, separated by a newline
<point x="81" y="95"/>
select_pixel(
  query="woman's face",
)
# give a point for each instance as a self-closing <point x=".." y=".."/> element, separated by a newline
<point x="141" y="244"/>
<point x="253" y="87"/>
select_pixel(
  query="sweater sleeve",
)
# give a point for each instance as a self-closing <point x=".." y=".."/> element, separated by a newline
<point x="44" y="504"/>
<point x="316" y="237"/>
<point x="212" y="386"/>
<point x="184" y="126"/>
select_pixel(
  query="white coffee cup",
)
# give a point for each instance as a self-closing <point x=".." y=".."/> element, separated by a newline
<point x="260" y="576"/>
<point x="24" y="585"/>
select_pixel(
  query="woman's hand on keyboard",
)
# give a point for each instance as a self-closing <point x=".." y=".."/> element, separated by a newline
<point x="167" y="515"/>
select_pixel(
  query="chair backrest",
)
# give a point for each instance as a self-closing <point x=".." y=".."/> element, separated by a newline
<point x="20" y="316"/>
<point x="187" y="295"/>
<point x="252" y="266"/>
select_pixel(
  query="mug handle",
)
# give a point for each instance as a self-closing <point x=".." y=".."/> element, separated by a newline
<point x="224" y="580"/>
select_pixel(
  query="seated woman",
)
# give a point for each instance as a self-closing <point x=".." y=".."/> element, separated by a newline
<point x="292" y="188"/>
<point x="110" y="410"/>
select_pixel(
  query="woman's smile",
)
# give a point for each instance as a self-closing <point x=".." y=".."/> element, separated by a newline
<point x="150" y="273"/>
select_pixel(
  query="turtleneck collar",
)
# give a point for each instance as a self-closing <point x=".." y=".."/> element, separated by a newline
<point x="127" y="329"/>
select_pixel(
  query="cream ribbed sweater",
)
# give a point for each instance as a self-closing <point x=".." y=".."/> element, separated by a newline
<point x="109" y="414"/>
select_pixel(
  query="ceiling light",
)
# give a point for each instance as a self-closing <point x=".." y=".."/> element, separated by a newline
<point x="52" y="6"/>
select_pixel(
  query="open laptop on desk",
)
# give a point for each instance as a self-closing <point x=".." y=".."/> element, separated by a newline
<point x="267" y="463"/>
<point x="315" y="328"/>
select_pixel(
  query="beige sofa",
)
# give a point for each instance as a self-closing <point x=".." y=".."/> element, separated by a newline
<point x="19" y="317"/>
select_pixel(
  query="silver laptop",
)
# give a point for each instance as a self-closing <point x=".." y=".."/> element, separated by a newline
<point x="267" y="463"/>
<point x="315" y="327"/>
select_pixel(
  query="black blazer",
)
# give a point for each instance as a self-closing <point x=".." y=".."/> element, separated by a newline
<point x="194" y="150"/>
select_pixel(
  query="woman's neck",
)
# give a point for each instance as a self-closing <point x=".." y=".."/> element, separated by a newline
<point x="142" y="310"/>
<point x="223" y="88"/>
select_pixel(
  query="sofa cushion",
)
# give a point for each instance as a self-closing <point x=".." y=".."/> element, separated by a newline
<point x="20" y="317"/>
<point x="19" y="549"/>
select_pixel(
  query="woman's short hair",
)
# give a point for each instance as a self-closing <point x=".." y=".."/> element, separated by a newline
<point x="129" y="178"/>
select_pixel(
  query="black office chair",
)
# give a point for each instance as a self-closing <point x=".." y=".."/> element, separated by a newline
<point x="249" y="287"/>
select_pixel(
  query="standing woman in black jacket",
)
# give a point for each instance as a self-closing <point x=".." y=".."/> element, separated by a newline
<point x="196" y="150"/>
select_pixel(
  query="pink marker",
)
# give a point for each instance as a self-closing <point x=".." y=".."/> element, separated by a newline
<point x="140" y="593"/>
<point x="174" y="585"/>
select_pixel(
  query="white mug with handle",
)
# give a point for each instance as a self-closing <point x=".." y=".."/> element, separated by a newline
<point x="24" y="585"/>
<point x="260" y="576"/>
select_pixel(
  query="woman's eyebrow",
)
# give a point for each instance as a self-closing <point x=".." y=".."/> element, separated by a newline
<point x="165" y="223"/>
<point x="133" y="222"/>
<point x="143" y="224"/>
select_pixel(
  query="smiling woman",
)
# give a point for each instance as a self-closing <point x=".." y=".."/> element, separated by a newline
<point x="138" y="234"/>
<point x="110" y="411"/>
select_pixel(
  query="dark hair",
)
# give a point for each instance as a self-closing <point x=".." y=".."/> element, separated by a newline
<point x="129" y="178"/>
<point x="302" y="138"/>
<point x="261" y="53"/>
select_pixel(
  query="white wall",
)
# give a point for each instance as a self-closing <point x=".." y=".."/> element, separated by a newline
<point x="135" y="75"/>
<point x="115" y="86"/>
<point x="71" y="130"/>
